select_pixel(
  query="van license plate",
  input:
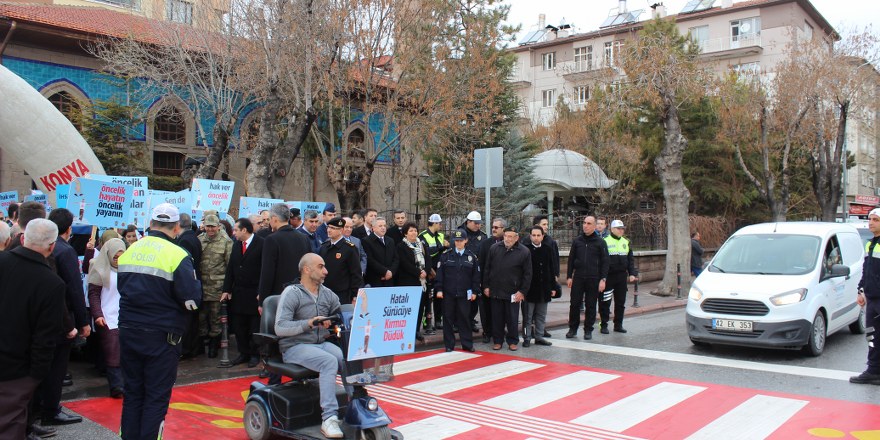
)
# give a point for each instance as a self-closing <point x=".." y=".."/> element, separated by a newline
<point x="732" y="325"/>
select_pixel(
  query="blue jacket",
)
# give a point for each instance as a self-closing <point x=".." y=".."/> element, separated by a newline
<point x="156" y="279"/>
<point x="871" y="269"/>
<point x="456" y="274"/>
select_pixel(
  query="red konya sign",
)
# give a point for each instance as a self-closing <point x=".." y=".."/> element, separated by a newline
<point x="867" y="200"/>
<point x="65" y="175"/>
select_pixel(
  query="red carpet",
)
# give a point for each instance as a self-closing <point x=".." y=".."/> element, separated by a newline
<point x="462" y="405"/>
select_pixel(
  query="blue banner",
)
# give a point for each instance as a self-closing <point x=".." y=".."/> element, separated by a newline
<point x="384" y="322"/>
<point x="212" y="194"/>
<point x="100" y="203"/>
<point x="7" y="198"/>
<point x="139" y="213"/>
<point x="253" y="205"/>
<point x="39" y="197"/>
<point x="181" y="199"/>
<point x="61" y="195"/>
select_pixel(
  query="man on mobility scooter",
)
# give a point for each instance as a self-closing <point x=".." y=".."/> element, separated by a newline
<point x="297" y="341"/>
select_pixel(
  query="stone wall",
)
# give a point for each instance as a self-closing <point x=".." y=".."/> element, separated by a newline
<point x="650" y="264"/>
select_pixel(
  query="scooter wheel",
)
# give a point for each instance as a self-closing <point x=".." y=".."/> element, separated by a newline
<point x="256" y="422"/>
<point x="377" y="433"/>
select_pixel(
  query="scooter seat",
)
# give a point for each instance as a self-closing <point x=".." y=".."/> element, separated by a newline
<point x="293" y="371"/>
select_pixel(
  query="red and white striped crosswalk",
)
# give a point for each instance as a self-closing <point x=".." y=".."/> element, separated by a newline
<point x="461" y="395"/>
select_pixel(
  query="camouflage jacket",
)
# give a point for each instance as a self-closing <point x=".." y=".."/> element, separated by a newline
<point x="215" y="258"/>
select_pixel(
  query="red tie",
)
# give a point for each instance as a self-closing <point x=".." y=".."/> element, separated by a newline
<point x="243" y="247"/>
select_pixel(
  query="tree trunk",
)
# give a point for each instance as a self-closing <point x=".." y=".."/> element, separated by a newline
<point x="286" y="153"/>
<point x="676" y="197"/>
<point x="258" y="170"/>
<point x="352" y="183"/>
<point x="218" y="152"/>
<point x="828" y="163"/>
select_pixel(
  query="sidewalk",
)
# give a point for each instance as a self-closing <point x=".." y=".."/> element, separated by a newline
<point x="557" y="311"/>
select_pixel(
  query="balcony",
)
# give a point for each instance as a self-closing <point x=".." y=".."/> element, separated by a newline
<point x="584" y="70"/>
<point x="731" y="47"/>
<point x="519" y="78"/>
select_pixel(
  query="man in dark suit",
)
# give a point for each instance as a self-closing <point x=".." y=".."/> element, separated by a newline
<point x="382" y="260"/>
<point x="281" y="253"/>
<point x="342" y="260"/>
<point x="309" y="228"/>
<point x="240" y="289"/>
<point x="366" y="229"/>
<point x="189" y="240"/>
<point x="395" y="231"/>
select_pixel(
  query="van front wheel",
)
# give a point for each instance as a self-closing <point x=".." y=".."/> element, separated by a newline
<point x="858" y="327"/>
<point x="816" y="344"/>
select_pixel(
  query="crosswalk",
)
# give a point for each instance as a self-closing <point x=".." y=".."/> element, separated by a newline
<point x="487" y="395"/>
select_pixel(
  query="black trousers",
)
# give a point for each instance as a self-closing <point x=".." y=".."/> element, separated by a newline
<point x="872" y="319"/>
<point x="485" y="313"/>
<point x="243" y="327"/>
<point x="46" y="402"/>
<point x="505" y="321"/>
<point x="14" y="398"/>
<point x="457" y="310"/>
<point x="616" y="282"/>
<point x="583" y="290"/>
<point x="149" y="368"/>
<point x="191" y="343"/>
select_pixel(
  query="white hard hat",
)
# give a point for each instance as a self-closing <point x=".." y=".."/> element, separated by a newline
<point x="435" y="218"/>
<point x="474" y="216"/>
<point x="616" y="224"/>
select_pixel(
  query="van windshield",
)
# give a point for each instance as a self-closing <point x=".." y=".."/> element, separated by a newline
<point x="767" y="254"/>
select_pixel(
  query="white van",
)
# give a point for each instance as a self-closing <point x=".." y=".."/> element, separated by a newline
<point x="779" y="285"/>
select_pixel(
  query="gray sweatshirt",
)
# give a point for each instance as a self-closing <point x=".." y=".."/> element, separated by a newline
<point x="296" y="308"/>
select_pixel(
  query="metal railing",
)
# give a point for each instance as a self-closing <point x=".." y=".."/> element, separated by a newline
<point x="728" y="43"/>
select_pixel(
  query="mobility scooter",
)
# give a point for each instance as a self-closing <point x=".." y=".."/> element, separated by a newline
<point x="292" y="409"/>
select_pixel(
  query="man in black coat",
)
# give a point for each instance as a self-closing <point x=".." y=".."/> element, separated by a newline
<point x="366" y="229"/>
<point x="587" y="270"/>
<point x="240" y="289"/>
<point x="32" y="297"/>
<point x="498" y="226"/>
<point x="395" y="231"/>
<point x="342" y="261"/>
<point x="506" y="281"/>
<point x="67" y="266"/>
<point x="382" y="259"/>
<point x="282" y="251"/>
<point x="189" y="240"/>
<point x="542" y="289"/>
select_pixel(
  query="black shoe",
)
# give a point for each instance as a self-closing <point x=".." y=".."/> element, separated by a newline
<point x="43" y="431"/>
<point x="449" y="349"/>
<point x="117" y="393"/>
<point x="543" y="342"/>
<point x="526" y="343"/>
<point x="67" y="383"/>
<point x="61" y="418"/>
<point x="604" y="330"/>
<point x="419" y="337"/>
<point x="68" y="376"/>
<point x="486" y="339"/>
<point x="263" y="374"/>
<point x="430" y="332"/>
<point x="571" y="334"/>
<point x="866" y="378"/>
<point x="619" y="329"/>
<point x="547" y="334"/>
<point x="588" y="336"/>
<point x="253" y="362"/>
<point x="470" y="349"/>
<point x="240" y="359"/>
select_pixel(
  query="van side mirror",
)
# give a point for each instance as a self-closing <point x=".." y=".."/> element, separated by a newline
<point x="839" y="270"/>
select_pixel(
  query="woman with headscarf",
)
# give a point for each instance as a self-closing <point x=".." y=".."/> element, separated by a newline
<point x="90" y="247"/>
<point x="104" y="306"/>
<point x="414" y="264"/>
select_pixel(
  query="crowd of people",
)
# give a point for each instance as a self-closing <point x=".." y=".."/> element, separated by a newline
<point x="155" y="299"/>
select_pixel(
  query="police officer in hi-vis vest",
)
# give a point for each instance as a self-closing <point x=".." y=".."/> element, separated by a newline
<point x="436" y="243"/>
<point x="621" y="264"/>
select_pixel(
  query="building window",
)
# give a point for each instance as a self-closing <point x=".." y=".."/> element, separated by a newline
<point x="747" y="70"/>
<point x="548" y="60"/>
<point x="548" y="98"/>
<point x="700" y="35"/>
<point x="583" y="58"/>
<point x="647" y="205"/>
<point x="167" y="163"/>
<point x="612" y="51"/>
<point x="744" y="31"/>
<point x="179" y="11"/>
<point x="808" y="31"/>
<point x="170" y="127"/>
<point x="69" y="107"/>
<point x="582" y="94"/>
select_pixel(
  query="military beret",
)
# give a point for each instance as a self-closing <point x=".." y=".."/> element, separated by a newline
<point x="336" y="222"/>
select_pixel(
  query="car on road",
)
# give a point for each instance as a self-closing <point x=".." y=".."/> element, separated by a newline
<point x="784" y="285"/>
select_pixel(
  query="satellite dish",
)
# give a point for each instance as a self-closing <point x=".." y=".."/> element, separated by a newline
<point x="745" y="27"/>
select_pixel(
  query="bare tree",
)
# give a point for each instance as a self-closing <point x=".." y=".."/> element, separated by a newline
<point x="662" y="77"/>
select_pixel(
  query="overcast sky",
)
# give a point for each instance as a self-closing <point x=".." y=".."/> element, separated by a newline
<point x="587" y="15"/>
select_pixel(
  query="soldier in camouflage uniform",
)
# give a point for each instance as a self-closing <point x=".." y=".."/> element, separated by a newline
<point x="216" y="248"/>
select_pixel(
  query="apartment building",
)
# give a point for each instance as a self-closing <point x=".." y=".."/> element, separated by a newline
<point x="203" y="14"/>
<point x="552" y="62"/>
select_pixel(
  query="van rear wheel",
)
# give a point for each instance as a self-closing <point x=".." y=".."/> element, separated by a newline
<point x="816" y="344"/>
<point x="858" y="326"/>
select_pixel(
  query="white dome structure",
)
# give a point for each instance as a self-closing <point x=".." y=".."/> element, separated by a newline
<point x="560" y="170"/>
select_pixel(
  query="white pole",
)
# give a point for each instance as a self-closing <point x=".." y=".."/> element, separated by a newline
<point x="487" y="219"/>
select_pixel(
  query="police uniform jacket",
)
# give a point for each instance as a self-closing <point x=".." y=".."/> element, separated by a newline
<point x="620" y="256"/>
<point x="342" y="261"/>
<point x="508" y="270"/>
<point x="588" y="257"/>
<point x="434" y="245"/>
<point x="215" y="261"/>
<point x="156" y="279"/>
<point x="475" y="239"/>
<point x="243" y="276"/>
<point x="457" y="274"/>
<point x="870" y="281"/>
